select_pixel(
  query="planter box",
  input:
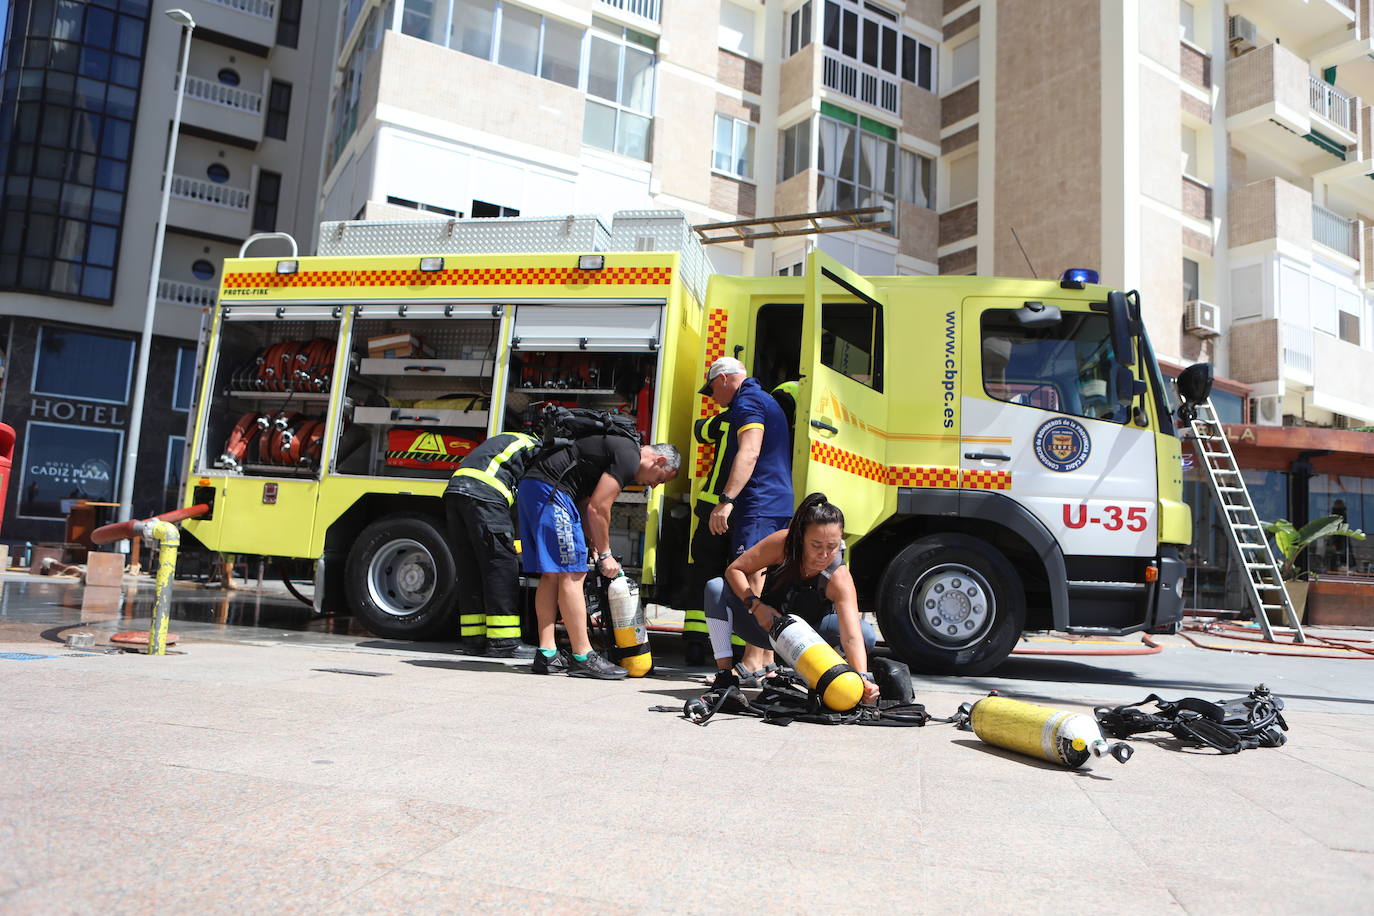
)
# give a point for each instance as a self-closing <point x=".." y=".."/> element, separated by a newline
<point x="1341" y="602"/>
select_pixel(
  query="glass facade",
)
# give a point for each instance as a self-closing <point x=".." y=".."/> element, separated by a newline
<point x="71" y="72"/>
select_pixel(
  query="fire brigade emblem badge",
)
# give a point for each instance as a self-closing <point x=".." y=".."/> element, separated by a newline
<point x="1062" y="444"/>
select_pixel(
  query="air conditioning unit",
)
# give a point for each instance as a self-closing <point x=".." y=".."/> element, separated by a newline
<point x="1242" y="33"/>
<point x="1201" y="319"/>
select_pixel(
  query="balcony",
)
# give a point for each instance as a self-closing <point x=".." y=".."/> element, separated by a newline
<point x="646" y="9"/>
<point x="1197" y="199"/>
<point x="253" y="21"/>
<point x="1329" y="373"/>
<point x="1334" y="231"/>
<point x="208" y="207"/>
<point x="193" y="295"/>
<point x="1301" y="23"/>
<point x="1272" y="215"/>
<point x="1277" y="108"/>
<point x="862" y="82"/>
<point x="212" y="105"/>
<point x="858" y="82"/>
<point x="1194" y="65"/>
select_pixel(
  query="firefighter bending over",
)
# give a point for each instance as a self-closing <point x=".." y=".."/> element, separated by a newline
<point x="561" y="486"/>
<point x="807" y="576"/>
<point x="478" y="503"/>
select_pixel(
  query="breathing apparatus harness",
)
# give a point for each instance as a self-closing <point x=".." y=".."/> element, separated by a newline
<point x="1228" y="726"/>
<point x="785" y="699"/>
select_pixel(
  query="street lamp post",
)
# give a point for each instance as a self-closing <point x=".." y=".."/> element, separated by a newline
<point x="126" y="489"/>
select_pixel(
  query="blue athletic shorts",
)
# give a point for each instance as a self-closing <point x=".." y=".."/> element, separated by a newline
<point x="551" y="539"/>
<point x="746" y="532"/>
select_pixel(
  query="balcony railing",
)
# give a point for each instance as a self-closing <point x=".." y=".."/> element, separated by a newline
<point x="1297" y="347"/>
<point x="220" y="94"/>
<point x="263" y="9"/>
<point x="197" y="295"/>
<point x="1333" y="230"/>
<point x="649" y="9"/>
<point x="1331" y="103"/>
<point x="207" y="192"/>
<point x="862" y="83"/>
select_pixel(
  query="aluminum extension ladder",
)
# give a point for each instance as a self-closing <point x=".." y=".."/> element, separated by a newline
<point x="1263" y="581"/>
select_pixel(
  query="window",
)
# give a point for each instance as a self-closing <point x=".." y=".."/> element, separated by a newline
<point x="350" y="89"/>
<point x="217" y="172"/>
<point x="1066" y="367"/>
<point x="174" y="476"/>
<point x="228" y="76"/>
<point x="184" y="389"/>
<point x="963" y="180"/>
<point x="798" y="28"/>
<point x="474" y="23"/>
<point x="734" y="147"/>
<point x="736" y="30"/>
<point x="77" y="364"/>
<point x="421" y="19"/>
<point x="917" y="179"/>
<point x="516" y="37"/>
<point x="795" y="149"/>
<point x="265" y="205"/>
<point x="67" y="112"/>
<point x="963" y="63"/>
<point x="1349" y="327"/>
<point x="480" y="208"/>
<point x="288" y="22"/>
<point x="1190" y="280"/>
<point x="620" y="90"/>
<point x="202" y="269"/>
<point x="1185" y="22"/>
<point x="63" y="462"/>
<point x="872" y="37"/>
<point x="1188" y="143"/>
<point x="857" y="163"/>
<point x="852" y="341"/>
<point x="278" y="110"/>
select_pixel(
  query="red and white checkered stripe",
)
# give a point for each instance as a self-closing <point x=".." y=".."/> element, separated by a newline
<point x="495" y="276"/>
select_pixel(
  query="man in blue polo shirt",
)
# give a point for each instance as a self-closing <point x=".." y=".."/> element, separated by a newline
<point x="757" y="497"/>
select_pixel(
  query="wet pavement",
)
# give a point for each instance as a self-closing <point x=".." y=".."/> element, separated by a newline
<point x="269" y="615"/>
<point x="283" y="763"/>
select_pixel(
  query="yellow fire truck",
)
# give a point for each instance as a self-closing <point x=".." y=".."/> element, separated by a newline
<point x="1003" y="449"/>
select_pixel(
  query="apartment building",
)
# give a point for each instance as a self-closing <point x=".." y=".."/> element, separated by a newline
<point x="89" y="89"/>
<point x="1216" y="157"/>
<point x="725" y="109"/>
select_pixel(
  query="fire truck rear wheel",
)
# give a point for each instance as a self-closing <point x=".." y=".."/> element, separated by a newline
<point x="951" y="604"/>
<point x="401" y="578"/>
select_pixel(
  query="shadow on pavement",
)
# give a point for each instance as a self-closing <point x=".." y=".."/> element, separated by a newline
<point x="1032" y="762"/>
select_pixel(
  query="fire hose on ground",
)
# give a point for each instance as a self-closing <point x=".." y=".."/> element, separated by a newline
<point x="163" y="530"/>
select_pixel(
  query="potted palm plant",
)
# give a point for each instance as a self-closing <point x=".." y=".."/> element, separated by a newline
<point x="1292" y="541"/>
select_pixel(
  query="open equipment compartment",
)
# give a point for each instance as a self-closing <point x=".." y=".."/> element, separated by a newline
<point x="420" y="386"/>
<point x="268" y="407"/>
<point x="597" y="354"/>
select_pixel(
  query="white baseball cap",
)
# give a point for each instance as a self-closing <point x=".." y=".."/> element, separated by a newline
<point x="726" y="365"/>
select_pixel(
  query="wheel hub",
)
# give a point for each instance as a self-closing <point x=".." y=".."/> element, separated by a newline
<point x="401" y="577"/>
<point x="953" y="606"/>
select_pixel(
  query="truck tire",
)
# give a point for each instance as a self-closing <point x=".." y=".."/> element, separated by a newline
<point x="400" y="578"/>
<point x="951" y="604"/>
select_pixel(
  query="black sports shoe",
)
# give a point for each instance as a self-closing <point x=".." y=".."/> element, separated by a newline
<point x="543" y="664"/>
<point x="509" y="648"/>
<point x="595" y="666"/>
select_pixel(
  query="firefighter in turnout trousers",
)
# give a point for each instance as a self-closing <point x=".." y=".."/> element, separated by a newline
<point x="478" y="503"/>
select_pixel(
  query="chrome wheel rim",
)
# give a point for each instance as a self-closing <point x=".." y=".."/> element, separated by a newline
<point x="952" y="606"/>
<point x="401" y="577"/>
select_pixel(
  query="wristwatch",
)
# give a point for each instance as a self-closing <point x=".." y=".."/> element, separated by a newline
<point x="724" y="500"/>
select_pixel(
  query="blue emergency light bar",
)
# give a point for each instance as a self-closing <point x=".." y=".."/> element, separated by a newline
<point x="1077" y="278"/>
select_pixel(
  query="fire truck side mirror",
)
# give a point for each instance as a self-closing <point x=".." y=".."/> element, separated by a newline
<point x="1119" y="320"/>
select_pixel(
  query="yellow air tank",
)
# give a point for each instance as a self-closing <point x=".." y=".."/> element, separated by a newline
<point x="1069" y="739"/>
<point x="800" y="647"/>
<point x="628" y="627"/>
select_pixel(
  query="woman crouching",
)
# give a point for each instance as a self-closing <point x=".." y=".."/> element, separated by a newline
<point x="805" y="575"/>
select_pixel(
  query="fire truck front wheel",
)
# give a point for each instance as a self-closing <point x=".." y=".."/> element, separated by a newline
<point x="401" y="578"/>
<point x="951" y="604"/>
